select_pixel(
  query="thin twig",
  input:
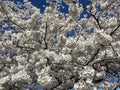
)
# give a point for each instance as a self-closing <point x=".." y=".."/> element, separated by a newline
<point x="93" y="57"/>
<point x="45" y="38"/>
<point x="115" y="30"/>
<point x="96" y="20"/>
<point x="10" y="19"/>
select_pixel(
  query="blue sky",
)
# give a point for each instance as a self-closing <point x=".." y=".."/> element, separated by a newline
<point x="42" y="4"/>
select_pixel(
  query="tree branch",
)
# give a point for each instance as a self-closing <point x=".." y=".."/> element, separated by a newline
<point x="115" y="30"/>
<point x="96" y="20"/>
<point x="45" y="38"/>
<point x="10" y="19"/>
<point x="93" y="57"/>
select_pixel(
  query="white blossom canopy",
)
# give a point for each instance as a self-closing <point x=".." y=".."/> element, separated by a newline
<point x="35" y="47"/>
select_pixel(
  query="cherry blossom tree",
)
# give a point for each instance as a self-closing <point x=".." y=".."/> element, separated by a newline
<point x="35" y="47"/>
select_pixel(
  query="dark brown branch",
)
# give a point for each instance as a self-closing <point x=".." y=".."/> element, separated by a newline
<point x="115" y="30"/>
<point x="23" y="47"/>
<point x="104" y="62"/>
<point x="63" y="84"/>
<point x="59" y="28"/>
<point x="16" y="24"/>
<point x="106" y="8"/>
<point x="96" y="20"/>
<point x="112" y="60"/>
<point x="115" y="53"/>
<point x="45" y="38"/>
<point x="107" y="60"/>
<point x="10" y="19"/>
<point x="116" y="86"/>
<point x="93" y="57"/>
